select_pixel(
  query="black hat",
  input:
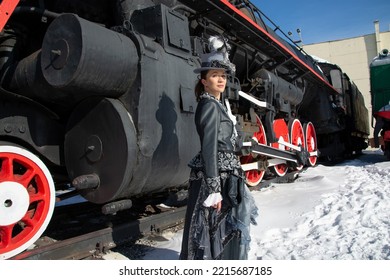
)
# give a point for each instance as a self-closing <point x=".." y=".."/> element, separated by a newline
<point x="212" y="61"/>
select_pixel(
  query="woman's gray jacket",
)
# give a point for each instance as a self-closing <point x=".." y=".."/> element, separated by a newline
<point x="209" y="234"/>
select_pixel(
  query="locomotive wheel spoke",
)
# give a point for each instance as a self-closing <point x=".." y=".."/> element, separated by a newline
<point x="26" y="178"/>
<point x="27" y="197"/>
<point x="281" y="133"/>
<point x="254" y="177"/>
<point x="297" y="136"/>
<point x="311" y="142"/>
<point x="5" y="235"/>
<point x="6" y="169"/>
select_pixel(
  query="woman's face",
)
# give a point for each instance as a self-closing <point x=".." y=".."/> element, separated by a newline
<point x="215" y="82"/>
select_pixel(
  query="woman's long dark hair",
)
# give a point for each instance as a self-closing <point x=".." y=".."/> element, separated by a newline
<point x="199" y="87"/>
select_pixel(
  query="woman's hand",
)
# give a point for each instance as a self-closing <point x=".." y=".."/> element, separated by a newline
<point x="214" y="200"/>
<point x="217" y="206"/>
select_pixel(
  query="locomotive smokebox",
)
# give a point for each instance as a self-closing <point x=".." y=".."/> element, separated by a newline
<point x="78" y="55"/>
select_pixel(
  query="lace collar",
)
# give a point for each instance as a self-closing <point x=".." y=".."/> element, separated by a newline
<point x="205" y="94"/>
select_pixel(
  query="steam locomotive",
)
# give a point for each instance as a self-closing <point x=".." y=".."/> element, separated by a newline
<point x="98" y="95"/>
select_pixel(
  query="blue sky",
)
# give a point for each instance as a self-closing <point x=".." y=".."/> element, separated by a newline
<point x="321" y="21"/>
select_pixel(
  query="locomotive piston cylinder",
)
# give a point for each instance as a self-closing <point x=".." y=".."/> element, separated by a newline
<point x="286" y="90"/>
<point x="79" y="55"/>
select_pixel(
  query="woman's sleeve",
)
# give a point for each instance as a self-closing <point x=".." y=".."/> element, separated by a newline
<point x="208" y="126"/>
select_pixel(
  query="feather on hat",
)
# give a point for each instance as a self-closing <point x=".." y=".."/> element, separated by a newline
<point x="218" y="57"/>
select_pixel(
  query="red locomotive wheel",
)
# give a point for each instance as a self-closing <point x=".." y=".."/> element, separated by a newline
<point x="297" y="136"/>
<point x="27" y="198"/>
<point x="254" y="177"/>
<point x="311" y="141"/>
<point x="281" y="132"/>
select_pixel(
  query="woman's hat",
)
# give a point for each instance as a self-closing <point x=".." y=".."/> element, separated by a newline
<point x="212" y="61"/>
<point x="217" y="58"/>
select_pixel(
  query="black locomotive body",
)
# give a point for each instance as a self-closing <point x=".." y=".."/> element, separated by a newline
<point x="346" y="131"/>
<point x="99" y="95"/>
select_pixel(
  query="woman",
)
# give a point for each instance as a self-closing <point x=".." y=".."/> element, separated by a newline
<point x="219" y="206"/>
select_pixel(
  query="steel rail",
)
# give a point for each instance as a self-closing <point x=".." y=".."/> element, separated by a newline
<point x="96" y="243"/>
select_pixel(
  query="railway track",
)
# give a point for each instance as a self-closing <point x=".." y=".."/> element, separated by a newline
<point x="91" y="234"/>
<point x="94" y="244"/>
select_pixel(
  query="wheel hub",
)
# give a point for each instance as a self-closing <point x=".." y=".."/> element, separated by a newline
<point x="14" y="202"/>
<point x="312" y="143"/>
<point x="281" y="146"/>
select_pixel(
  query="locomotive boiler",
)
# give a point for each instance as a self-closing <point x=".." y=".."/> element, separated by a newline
<point x="98" y="96"/>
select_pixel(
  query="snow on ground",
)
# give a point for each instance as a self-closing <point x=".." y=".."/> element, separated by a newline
<point x="337" y="212"/>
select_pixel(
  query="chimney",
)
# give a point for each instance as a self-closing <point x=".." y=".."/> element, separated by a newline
<point x="377" y="37"/>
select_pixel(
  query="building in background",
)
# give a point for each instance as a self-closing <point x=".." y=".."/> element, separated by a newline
<point x="354" y="56"/>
